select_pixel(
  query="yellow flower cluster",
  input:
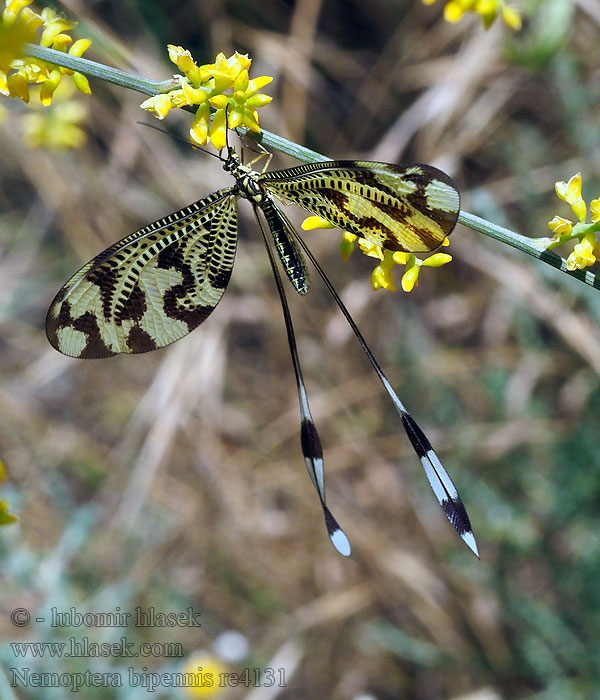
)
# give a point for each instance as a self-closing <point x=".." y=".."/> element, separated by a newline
<point x="223" y="85"/>
<point x="5" y="517"/>
<point x="58" y="127"/>
<point x="19" y="24"/>
<point x="587" y="251"/>
<point x="382" y="276"/>
<point x="487" y="9"/>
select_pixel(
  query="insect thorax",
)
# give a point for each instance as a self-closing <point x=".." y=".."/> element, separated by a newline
<point x="245" y="178"/>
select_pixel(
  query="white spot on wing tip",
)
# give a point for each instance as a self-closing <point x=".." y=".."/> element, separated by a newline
<point x="441" y="473"/>
<point x="469" y="540"/>
<point x="341" y="542"/>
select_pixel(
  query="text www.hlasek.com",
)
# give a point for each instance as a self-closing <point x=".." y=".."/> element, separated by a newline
<point x="84" y="648"/>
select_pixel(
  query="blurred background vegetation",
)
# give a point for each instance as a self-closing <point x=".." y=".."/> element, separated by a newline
<point x="175" y="479"/>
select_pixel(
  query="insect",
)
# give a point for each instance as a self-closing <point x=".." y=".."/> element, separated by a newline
<point x="157" y="284"/>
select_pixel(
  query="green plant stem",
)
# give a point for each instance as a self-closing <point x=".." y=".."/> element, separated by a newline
<point x="99" y="70"/>
<point x="536" y="247"/>
<point x="531" y="246"/>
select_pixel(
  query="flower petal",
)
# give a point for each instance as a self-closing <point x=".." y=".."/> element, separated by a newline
<point x="313" y="222"/>
<point x="560" y="226"/>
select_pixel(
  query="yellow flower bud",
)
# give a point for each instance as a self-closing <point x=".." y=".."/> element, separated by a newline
<point x="61" y="41"/>
<point x="257" y="83"/>
<point x="452" y="13"/>
<point x="313" y="222"/>
<point x="382" y="277"/>
<point x="12" y="9"/>
<point x="437" y="260"/>
<point x="80" y="46"/>
<point x="235" y="117"/>
<point x="410" y="278"/>
<point x="250" y="121"/>
<point x="199" y="128"/>
<point x="219" y="101"/>
<point x="82" y="83"/>
<point x="18" y="86"/>
<point x="511" y="17"/>
<point x="258" y="101"/>
<point x="49" y="86"/>
<point x="218" y="130"/>
<point x="346" y="249"/>
<point x="401" y="258"/>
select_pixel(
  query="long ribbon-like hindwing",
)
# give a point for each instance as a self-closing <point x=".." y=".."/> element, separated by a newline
<point x="309" y="437"/>
<point x="156" y="285"/>
<point x="438" y="477"/>
<point x="440" y="482"/>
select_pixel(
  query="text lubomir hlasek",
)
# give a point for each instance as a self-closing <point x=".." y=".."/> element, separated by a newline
<point x="140" y="617"/>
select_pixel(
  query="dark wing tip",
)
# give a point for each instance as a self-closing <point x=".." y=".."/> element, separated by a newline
<point x="459" y="519"/>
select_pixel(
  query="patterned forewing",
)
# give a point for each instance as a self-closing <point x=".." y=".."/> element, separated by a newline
<point x="152" y="287"/>
<point x="410" y="208"/>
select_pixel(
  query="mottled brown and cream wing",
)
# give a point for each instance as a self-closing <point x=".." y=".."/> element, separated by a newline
<point x="152" y="287"/>
<point x="410" y="208"/>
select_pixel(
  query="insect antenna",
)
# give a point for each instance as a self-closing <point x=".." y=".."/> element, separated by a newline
<point x="438" y="477"/>
<point x="175" y="137"/>
<point x="311" y="444"/>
